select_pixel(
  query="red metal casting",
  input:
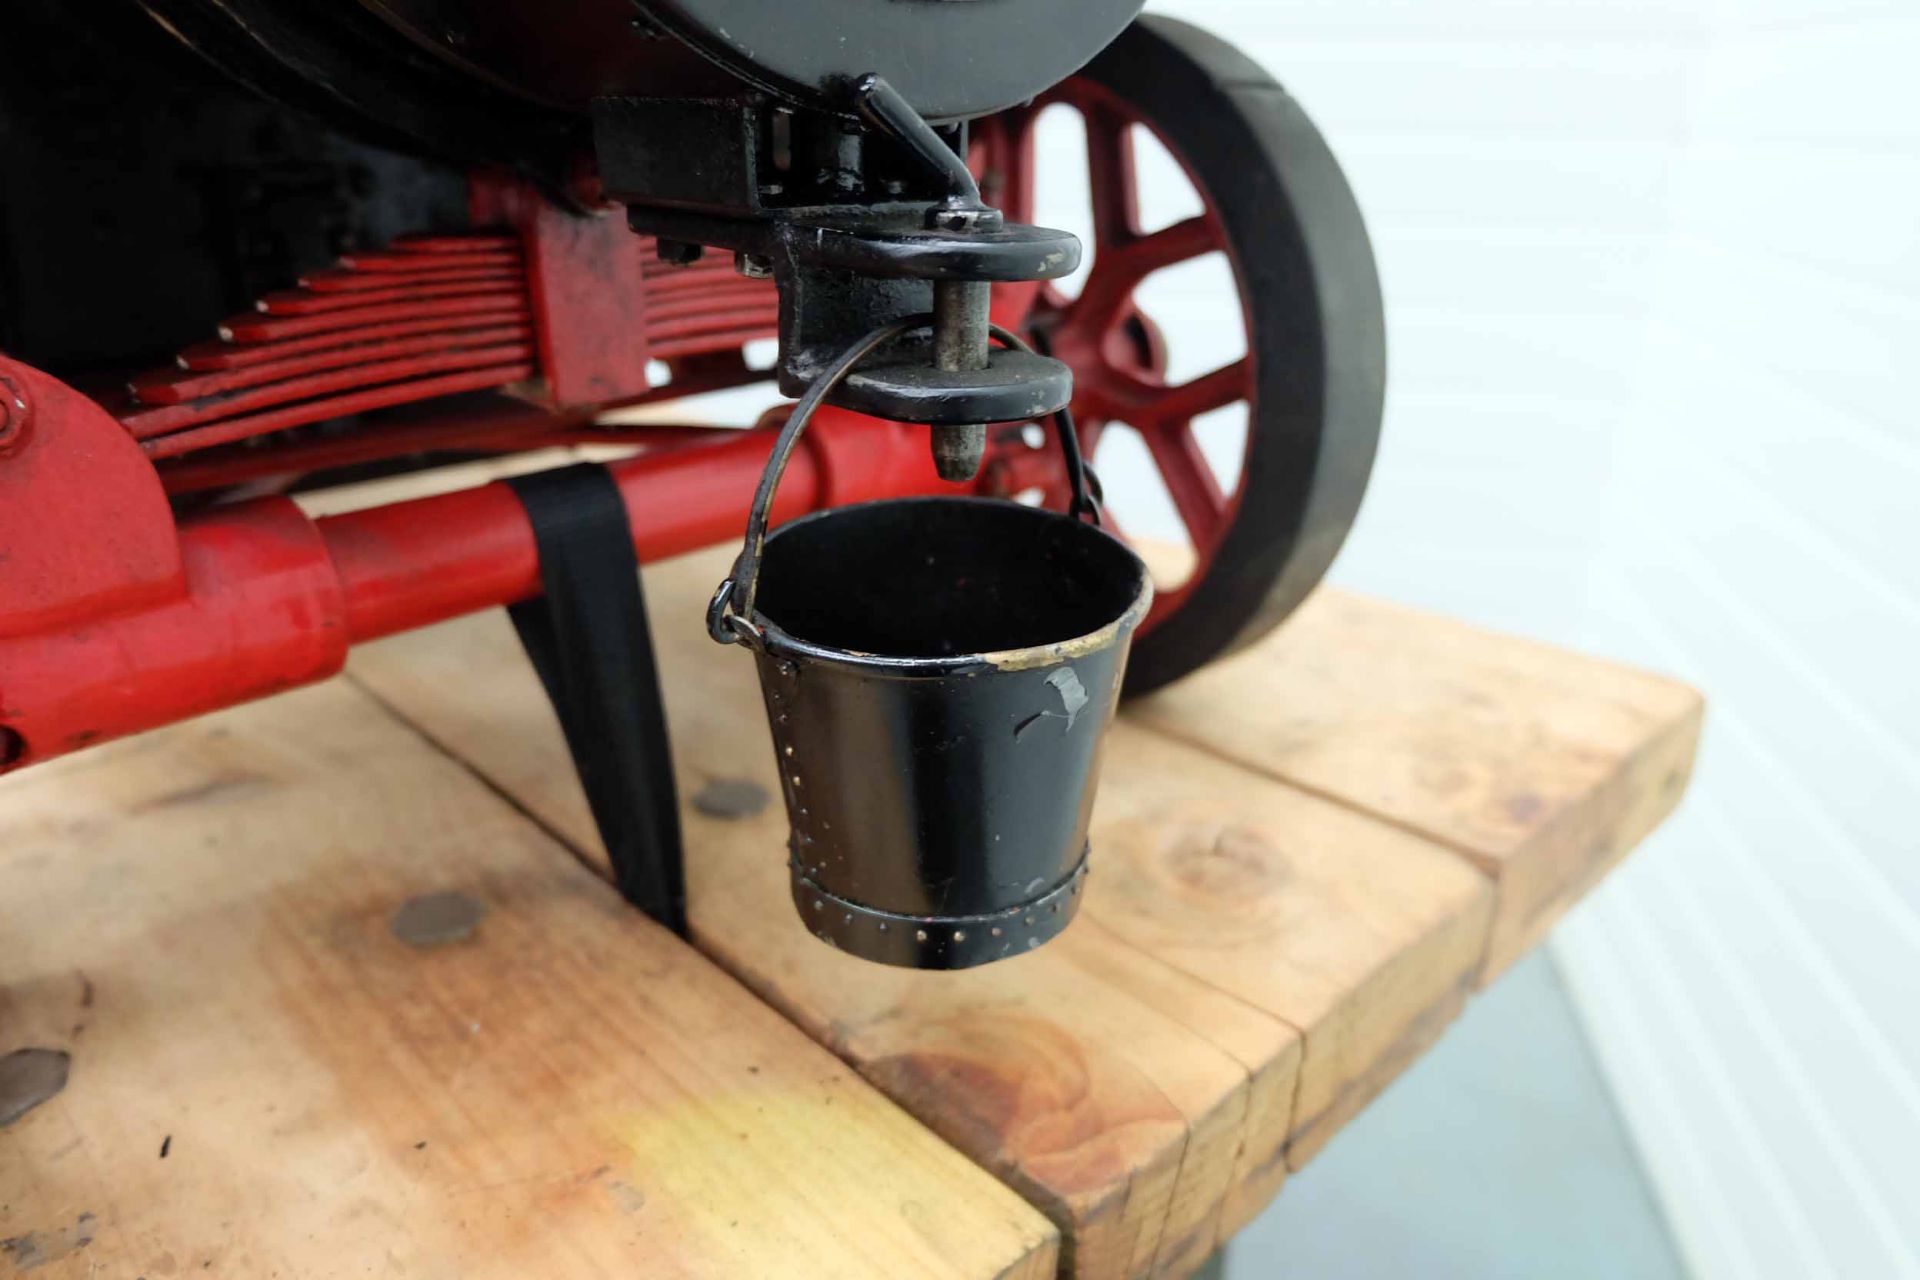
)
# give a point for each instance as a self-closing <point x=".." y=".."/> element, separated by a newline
<point x="110" y="622"/>
<point x="502" y="424"/>
<point x="85" y="530"/>
<point x="323" y="390"/>
<point x="169" y="387"/>
<point x="113" y="620"/>
<point x="431" y="316"/>
<point x="245" y="426"/>
<point x="572" y="311"/>
<point x="608" y="307"/>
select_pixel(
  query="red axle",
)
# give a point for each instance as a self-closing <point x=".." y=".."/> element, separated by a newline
<point x="121" y="623"/>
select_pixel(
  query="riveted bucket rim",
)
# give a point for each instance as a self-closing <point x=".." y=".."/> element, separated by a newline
<point x="777" y="642"/>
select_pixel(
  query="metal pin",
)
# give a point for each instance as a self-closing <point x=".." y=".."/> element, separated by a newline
<point x="960" y="311"/>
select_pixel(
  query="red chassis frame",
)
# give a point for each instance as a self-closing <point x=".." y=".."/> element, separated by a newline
<point x="116" y="617"/>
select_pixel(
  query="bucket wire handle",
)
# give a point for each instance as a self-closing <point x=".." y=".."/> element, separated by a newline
<point x="730" y="613"/>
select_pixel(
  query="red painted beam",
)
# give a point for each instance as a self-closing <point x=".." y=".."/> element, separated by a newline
<point x="415" y="563"/>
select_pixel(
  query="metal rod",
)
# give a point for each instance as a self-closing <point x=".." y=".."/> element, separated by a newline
<point x="881" y="106"/>
<point x="960" y="319"/>
<point x="271" y="599"/>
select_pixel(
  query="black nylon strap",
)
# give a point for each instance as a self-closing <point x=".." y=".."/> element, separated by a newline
<point x="587" y="637"/>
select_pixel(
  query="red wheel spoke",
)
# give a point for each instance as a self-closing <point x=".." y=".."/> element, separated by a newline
<point x="1189" y="480"/>
<point x="1013" y="304"/>
<point x="1089" y="428"/>
<point x="1163" y="248"/>
<point x="1117" y="270"/>
<point x="1206" y="393"/>
<point x="1118" y="356"/>
<point x="1002" y="158"/>
<point x="1110" y="178"/>
<point x="1121" y="393"/>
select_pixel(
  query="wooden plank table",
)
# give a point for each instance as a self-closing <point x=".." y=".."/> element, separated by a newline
<point x="1305" y="860"/>
<point x="267" y="1078"/>
<point x="1262" y="948"/>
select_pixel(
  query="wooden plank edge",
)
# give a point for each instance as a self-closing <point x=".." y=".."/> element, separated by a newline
<point x="1114" y="1229"/>
<point x="1567" y="856"/>
<point x="1258" y="1127"/>
<point x="1584" y="841"/>
<point x="1452" y="945"/>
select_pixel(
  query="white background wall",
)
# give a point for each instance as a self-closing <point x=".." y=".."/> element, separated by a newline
<point x="1653" y="282"/>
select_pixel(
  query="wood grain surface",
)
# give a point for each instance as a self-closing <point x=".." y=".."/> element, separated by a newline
<point x="268" y="1079"/>
<point x="1253" y="963"/>
<point x="1543" y="767"/>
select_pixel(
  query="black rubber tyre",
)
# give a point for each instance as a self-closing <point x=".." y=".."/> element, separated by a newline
<point x="1311" y="296"/>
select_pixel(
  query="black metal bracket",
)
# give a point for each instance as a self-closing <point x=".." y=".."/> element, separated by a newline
<point x="587" y="637"/>
<point x="858" y="222"/>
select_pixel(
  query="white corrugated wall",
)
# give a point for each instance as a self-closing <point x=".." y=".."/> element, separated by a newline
<point x="1653" y="279"/>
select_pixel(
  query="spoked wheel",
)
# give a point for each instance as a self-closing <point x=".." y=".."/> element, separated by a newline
<point x="1297" y="384"/>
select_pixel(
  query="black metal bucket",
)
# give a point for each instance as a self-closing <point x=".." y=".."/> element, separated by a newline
<point x="939" y="674"/>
